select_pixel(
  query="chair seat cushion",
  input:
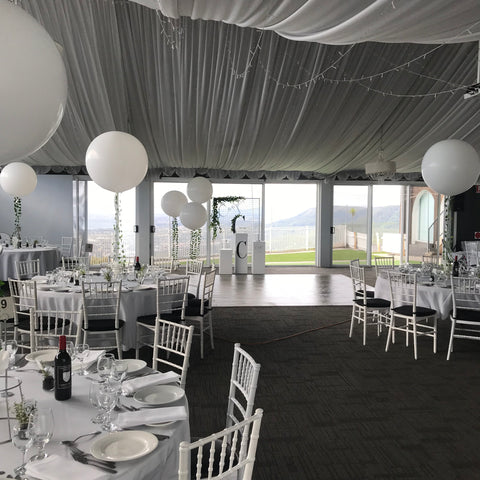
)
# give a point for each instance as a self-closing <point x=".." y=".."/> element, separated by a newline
<point x="468" y="315"/>
<point x="370" y="293"/>
<point x="408" y="311"/>
<point x="104" y="325"/>
<point x="175" y="316"/>
<point x="373" y="302"/>
<point x="194" y="307"/>
<point x="147" y="319"/>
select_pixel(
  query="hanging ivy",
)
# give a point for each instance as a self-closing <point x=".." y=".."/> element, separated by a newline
<point x="174" y="252"/>
<point x="217" y="202"/>
<point x="117" y="244"/>
<point x="17" y="212"/>
<point x="195" y="240"/>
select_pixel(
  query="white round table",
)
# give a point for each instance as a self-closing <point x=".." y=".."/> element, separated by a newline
<point x="49" y="259"/>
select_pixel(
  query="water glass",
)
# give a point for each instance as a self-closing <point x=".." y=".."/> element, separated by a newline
<point x="71" y="350"/>
<point x="81" y="354"/>
<point x="40" y="428"/>
<point x="11" y="347"/>
<point x="21" y="440"/>
<point x="93" y="397"/>
<point x="119" y="370"/>
<point x="105" y="364"/>
<point x="107" y="400"/>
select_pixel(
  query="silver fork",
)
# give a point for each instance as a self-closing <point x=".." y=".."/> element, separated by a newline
<point x="90" y="458"/>
<point x="94" y="463"/>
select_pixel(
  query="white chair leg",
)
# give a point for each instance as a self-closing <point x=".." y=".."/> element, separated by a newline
<point x="450" y="343"/>
<point x="415" y="339"/>
<point x="210" y="329"/>
<point x="118" y="338"/>
<point x="201" y="337"/>
<point x="137" y="342"/>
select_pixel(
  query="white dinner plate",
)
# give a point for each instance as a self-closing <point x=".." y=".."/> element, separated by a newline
<point x="58" y="288"/>
<point x="133" y="365"/>
<point x="44" y="356"/>
<point x="147" y="286"/>
<point x="159" y="425"/>
<point x="159" y="394"/>
<point x="43" y="286"/>
<point x="122" y="446"/>
<point x="40" y="279"/>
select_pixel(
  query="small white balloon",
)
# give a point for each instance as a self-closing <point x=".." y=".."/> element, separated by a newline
<point x="173" y="202"/>
<point x="33" y="84"/>
<point x="116" y="161"/>
<point x="450" y="167"/>
<point x="199" y="189"/>
<point x="193" y="215"/>
<point x="18" y="179"/>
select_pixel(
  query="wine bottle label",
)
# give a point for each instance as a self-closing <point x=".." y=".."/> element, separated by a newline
<point x="63" y="375"/>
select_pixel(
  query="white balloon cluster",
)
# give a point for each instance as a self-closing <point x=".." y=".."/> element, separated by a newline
<point x="18" y="179"/>
<point x="450" y="167"/>
<point x="193" y="215"/>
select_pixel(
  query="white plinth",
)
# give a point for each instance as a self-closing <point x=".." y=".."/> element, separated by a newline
<point x="241" y="253"/>
<point x="226" y="263"/>
<point x="258" y="258"/>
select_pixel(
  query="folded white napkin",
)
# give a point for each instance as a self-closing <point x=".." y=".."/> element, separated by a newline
<point x="131" y="386"/>
<point x="90" y="359"/>
<point x="151" y="415"/>
<point x="4" y="361"/>
<point x="55" y="467"/>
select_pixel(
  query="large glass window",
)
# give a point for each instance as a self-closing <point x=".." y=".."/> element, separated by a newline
<point x="386" y="232"/>
<point x="290" y="217"/>
<point x="101" y="219"/>
<point x="350" y="205"/>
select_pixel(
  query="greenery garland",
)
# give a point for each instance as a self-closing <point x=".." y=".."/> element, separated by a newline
<point x="17" y="211"/>
<point x="233" y="227"/>
<point x="195" y="240"/>
<point x="117" y="244"/>
<point x="174" y="252"/>
<point x="217" y="202"/>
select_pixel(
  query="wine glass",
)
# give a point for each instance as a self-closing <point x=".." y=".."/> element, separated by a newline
<point x="21" y="440"/>
<point x="107" y="399"/>
<point x="105" y="365"/>
<point x="81" y="353"/>
<point x="119" y="370"/>
<point x="40" y="428"/>
<point x="93" y="397"/>
<point x="11" y="347"/>
<point x="71" y="349"/>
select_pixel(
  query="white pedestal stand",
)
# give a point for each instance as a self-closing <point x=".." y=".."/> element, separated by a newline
<point x="226" y="263"/>
<point x="241" y="253"/>
<point x="258" y="258"/>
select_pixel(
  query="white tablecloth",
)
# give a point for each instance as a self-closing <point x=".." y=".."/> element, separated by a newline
<point x="132" y="305"/>
<point x="49" y="259"/>
<point x="438" y="298"/>
<point x="72" y="418"/>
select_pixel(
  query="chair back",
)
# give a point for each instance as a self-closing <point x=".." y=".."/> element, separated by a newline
<point x="236" y="457"/>
<point x="434" y="259"/>
<point x="243" y="386"/>
<point x="66" y="247"/>
<point x="208" y="283"/>
<point x="101" y="301"/>
<point x="171" y="347"/>
<point x="71" y="263"/>
<point x="472" y="252"/>
<point x="24" y="297"/>
<point x="172" y="297"/>
<point x="50" y="324"/>
<point x="166" y="264"/>
<point x="465" y="294"/>
<point x="357" y="274"/>
<point x="403" y="289"/>
<point x="27" y="269"/>
<point x="194" y="270"/>
<point x="384" y="262"/>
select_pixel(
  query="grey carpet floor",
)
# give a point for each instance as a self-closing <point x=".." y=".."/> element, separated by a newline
<point x="335" y="409"/>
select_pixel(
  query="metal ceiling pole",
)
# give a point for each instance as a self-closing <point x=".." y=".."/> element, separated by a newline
<point x="369" y="224"/>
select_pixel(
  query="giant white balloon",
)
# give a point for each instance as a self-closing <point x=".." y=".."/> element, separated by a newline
<point x="450" y="167"/>
<point x="18" y="179"/>
<point x="193" y="215"/>
<point x="199" y="189"/>
<point x="116" y="161"/>
<point x="33" y="84"/>
<point x="173" y="202"/>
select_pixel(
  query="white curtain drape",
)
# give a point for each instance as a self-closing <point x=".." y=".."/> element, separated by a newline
<point x="214" y="98"/>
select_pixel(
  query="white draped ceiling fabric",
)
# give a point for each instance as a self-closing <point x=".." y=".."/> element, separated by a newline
<point x="269" y="89"/>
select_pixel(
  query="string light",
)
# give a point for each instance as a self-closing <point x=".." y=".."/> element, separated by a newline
<point x="251" y="55"/>
<point x="166" y="24"/>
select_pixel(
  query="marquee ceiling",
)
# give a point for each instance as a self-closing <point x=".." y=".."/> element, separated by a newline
<point x="263" y="88"/>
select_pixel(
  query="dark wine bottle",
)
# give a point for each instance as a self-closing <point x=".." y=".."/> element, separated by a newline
<point x="137" y="265"/>
<point x="455" y="268"/>
<point x="63" y="371"/>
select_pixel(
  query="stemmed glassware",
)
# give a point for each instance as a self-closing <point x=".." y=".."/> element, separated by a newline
<point x="81" y="353"/>
<point x="119" y="370"/>
<point x="107" y="400"/>
<point x="11" y="347"/>
<point x="21" y="440"/>
<point x="93" y="397"/>
<point x="40" y="430"/>
<point x="105" y="364"/>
